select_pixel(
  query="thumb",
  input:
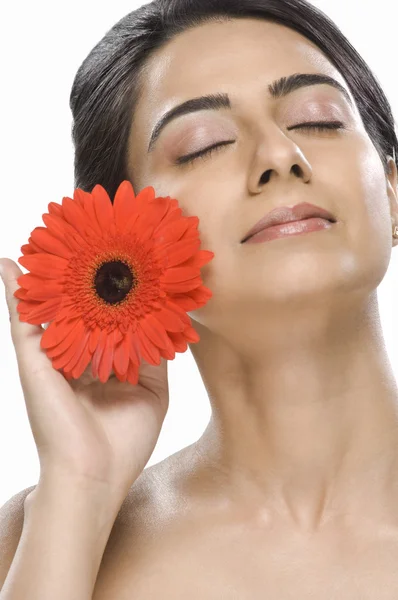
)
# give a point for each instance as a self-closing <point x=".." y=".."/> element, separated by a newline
<point x="10" y="272"/>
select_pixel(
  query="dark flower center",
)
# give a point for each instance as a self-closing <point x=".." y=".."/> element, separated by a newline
<point x="113" y="281"/>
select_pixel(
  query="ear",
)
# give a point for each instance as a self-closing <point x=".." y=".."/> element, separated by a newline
<point x="392" y="192"/>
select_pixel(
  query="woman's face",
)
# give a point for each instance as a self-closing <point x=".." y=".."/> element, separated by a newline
<point x="339" y="170"/>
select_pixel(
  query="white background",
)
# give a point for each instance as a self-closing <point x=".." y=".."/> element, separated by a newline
<point x="42" y="44"/>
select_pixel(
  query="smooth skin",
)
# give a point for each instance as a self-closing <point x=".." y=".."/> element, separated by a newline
<point x="292" y="491"/>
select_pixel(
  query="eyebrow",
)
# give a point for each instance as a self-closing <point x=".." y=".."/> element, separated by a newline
<point x="277" y="89"/>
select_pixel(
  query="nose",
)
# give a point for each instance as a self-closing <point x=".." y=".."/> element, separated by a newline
<point x="280" y="159"/>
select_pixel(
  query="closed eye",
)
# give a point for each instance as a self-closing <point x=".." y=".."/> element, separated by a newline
<point x="206" y="152"/>
<point x="189" y="158"/>
<point x="319" y="126"/>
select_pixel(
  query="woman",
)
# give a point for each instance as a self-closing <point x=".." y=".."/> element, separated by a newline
<point x="292" y="490"/>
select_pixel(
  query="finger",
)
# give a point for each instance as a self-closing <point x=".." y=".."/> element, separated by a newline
<point x="35" y="368"/>
<point x="19" y="329"/>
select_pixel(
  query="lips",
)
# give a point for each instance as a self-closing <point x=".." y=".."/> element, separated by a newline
<point x="285" y="214"/>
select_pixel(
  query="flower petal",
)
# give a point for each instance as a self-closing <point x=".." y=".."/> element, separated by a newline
<point x="103" y="207"/>
<point x="201" y="295"/>
<point x="66" y="311"/>
<point x="55" y="209"/>
<point x="185" y="301"/>
<point x="48" y="289"/>
<point x="149" y="352"/>
<point x="169" y="354"/>
<point x="53" y="335"/>
<point x="174" y="231"/>
<point x="21" y="294"/>
<point x="63" y="231"/>
<point x="130" y="225"/>
<point x="44" y="313"/>
<point x="119" y="336"/>
<point x="27" y="249"/>
<point x="82" y="363"/>
<point x="179" y="252"/>
<point x="184" y="318"/>
<point x="191" y="335"/>
<point x="25" y="308"/>
<point x="178" y="274"/>
<point x="146" y="233"/>
<point x="79" y="348"/>
<point x="73" y="329"/>
<point x="135" y="353"/>
<point x="122" y="203"/>
<point x="182" y="286"/>
<point x="106" y="362"/>
<point x="49" y="243"/>
<point x="88" y="203"/>
<point x="169" y="319"/>
<point x="145" y="196"/>
<point x="44" y="265"/>
<point x="133" y="373"/>
<point x="122" y="356"/>
<point x="154" y="331"/>
<point x="98" y="353"/>
<point x="73" y="340"/>
<point x="75" y="215"/>
<point x="179" y="341"/>
<point x="199" y="259"/>
<point x="94" y="337"/>
<point x="153" y="213"/>
<point x="34" y="246"/>
<point x="120" y="376"/>
<point x="80" y="196"/>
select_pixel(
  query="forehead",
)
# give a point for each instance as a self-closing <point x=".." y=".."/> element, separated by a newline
<point x="206" y="58"/>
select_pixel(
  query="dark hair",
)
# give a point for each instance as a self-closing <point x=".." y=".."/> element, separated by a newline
<point x="107" y="85"/>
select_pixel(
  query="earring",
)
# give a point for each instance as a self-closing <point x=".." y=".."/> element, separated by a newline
<point x="395" y="232"/>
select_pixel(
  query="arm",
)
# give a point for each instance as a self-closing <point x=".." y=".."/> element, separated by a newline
<point x="65" y="530"/>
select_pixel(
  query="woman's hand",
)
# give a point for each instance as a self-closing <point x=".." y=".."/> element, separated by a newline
<point x="99" y="433"/>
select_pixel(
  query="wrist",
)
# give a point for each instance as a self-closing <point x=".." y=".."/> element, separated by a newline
<point x="74" y="495"/>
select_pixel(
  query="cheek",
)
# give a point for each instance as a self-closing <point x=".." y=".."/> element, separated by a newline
<point x="213" y="208"/>
<point x="367" y="218"/>
<point x="371" y="192"/>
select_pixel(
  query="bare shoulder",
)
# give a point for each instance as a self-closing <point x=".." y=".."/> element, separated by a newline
<point x="138" y="518"/>
<point x="11" y="523"/>
<point x="151" y="515"/>
<point x="149" y="524"/>
<point x="12" y="512"/>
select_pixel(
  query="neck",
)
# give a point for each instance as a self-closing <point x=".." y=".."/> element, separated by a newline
<point x="304" y="420"/>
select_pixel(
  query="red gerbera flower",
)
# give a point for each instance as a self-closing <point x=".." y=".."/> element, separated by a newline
<point x="114" y="281"/>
